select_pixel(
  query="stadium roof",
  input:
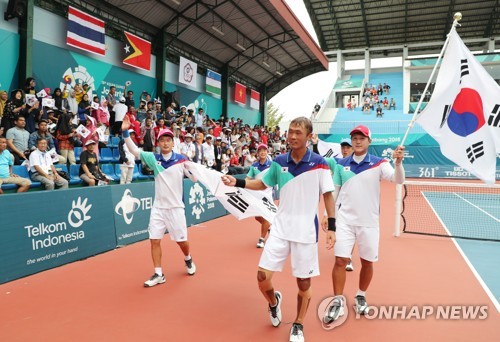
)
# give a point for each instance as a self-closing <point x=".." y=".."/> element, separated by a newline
<point x="260" y="42"/>
<point x="356" y="24"/>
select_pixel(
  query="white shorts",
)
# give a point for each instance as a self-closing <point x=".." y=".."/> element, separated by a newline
<point x="366" y="237"/>
<point x="304" y="257"/>
<point x="173" y="220"/>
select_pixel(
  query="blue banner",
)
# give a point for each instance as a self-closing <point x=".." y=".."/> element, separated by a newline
<point x="132" y="205"/>
<point x="46" y="229"/>
<point x="201" y="204"/>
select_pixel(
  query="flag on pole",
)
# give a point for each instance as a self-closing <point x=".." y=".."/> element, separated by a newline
<point x="187" y="72"/>
<point x="241" y="203"/>
<point x="240" y="93"/>
<point x="137" y="52"/>
<point x="329" y="150"/>
<point x="461" y="112"/>
<point x="255" y="99"/>
<point x="85" y="32"/>
<point x="213" y="82"/>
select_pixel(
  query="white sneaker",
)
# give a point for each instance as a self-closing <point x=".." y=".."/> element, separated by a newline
<point x="349" y="267"/>
<point x="190" y="266"/>
<point x="155" y="280"/>
<point x="335" y="311"/>
<point x="361" y="306"/>
<point x="261" y="243"/>
<point x="297" y="333"/>
<point x="275" y="311"/>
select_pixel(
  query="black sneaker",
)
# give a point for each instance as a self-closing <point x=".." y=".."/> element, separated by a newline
<point x="297" y="333"/>
<point x="155" y="280"/>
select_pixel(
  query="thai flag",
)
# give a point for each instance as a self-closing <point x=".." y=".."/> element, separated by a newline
<point x="85" y="32"/>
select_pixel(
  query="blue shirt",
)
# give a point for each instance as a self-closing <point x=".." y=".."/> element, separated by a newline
<point x="5" y="162"/>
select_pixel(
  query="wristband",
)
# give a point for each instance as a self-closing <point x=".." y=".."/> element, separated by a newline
<point x="240" y="183"/>
<point x="126" y="134"/>
<point x="331" y="224"/>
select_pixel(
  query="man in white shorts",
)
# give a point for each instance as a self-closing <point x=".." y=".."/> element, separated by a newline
<point x="302" y="177"/>
<point x="168" y="208"/>
<point x="357" y="180"/>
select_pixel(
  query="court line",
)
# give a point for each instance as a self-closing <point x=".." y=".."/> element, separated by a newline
<point x="475" y="206"/>
<point x="467" y="261"/>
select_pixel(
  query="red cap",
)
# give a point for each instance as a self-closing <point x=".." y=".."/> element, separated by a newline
<point x="264" y="146"/>
<point x="363" y="130"/>
<point x="166" y="132"/>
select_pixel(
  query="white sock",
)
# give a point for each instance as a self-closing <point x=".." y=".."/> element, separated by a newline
<point x="361" y="293"/>
<point x="186" y="258"/>
<point x="158" y="271"/>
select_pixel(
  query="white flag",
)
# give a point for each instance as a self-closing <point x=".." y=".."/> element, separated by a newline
<point x="241" y="203"/>
<point x="457" y="116"/>
<point x="187" y="72"/>
<point x="329" y="150"/>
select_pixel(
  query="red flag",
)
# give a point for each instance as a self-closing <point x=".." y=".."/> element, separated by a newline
<point x="137" y="51"/>
<point x="240" y="93"/>
<point x="255" y="99"/>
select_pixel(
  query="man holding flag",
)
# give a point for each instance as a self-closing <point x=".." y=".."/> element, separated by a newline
<point x="301" y="175"/>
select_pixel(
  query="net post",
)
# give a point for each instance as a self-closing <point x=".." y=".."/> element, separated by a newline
<point x="397" y="218"/>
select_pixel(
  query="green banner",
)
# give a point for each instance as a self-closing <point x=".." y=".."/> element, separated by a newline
<point x="46" y="229"/>
<point x="201" y="204"/>
<point x="132" y="205"/>
<point x="348" y="84"/>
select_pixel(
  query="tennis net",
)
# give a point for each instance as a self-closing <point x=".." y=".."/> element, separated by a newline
<point x="459" y="210"/>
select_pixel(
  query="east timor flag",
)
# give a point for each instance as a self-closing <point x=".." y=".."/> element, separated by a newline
<point x="137" y="52"/>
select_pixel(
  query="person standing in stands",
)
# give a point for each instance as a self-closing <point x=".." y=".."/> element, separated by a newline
<point x="120" y="110"/>
<point x="168" y="208"/>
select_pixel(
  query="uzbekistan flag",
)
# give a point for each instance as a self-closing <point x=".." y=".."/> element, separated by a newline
<point x="213" y="82"/>
<point x="85" y="32"/>
<point x="255" y="99"/>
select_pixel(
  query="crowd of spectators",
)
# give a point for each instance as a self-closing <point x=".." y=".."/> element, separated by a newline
<point x="78" y="119"/>
<point x="374" y="99"/>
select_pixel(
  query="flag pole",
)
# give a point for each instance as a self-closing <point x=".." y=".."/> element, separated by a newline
<point x="456" y="18"/>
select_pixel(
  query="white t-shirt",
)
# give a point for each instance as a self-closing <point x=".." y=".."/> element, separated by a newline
<point x="120" y="110"/>
<point x="41" y="159"/>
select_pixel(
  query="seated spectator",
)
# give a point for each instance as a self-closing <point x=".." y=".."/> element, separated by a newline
<point x="235" y="163"/>
<point x="103" y="114"/>
<point x="61" y="101"/>
<point x="6" y="174"/>
<point x="188" y="148"/>
<point x="127" y="161"/>
<point x="379" y="89"/>
<point x="42" y="168"/>
<point x="385" y="103"/>
<point x="250" y="158"/>
<point x="209" y="152"/>
<point x="349" y="105"/>
<point x="42" y="133"/>
<point x="218" y="154"/>
<point x="90" y="172"/>
<point x="379" y="111"/>
<point x="17" y="141"/>
<point x="392" y="105"/>
<point x="386" y="88"/>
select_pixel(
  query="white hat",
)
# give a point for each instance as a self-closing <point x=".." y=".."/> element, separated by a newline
<point x="209" y="136"/>
<point x="188" y="135"/>
<point x="122" y="99"/>
<point x="90" y="142"/>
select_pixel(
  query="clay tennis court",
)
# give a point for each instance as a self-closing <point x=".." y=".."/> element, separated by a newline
<point x="102" y="298"/>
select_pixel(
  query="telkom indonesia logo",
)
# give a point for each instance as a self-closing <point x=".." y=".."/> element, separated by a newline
<point x="197" y="198"/>
<point x="78" y="213"/>
<point x="127" y="206"/>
